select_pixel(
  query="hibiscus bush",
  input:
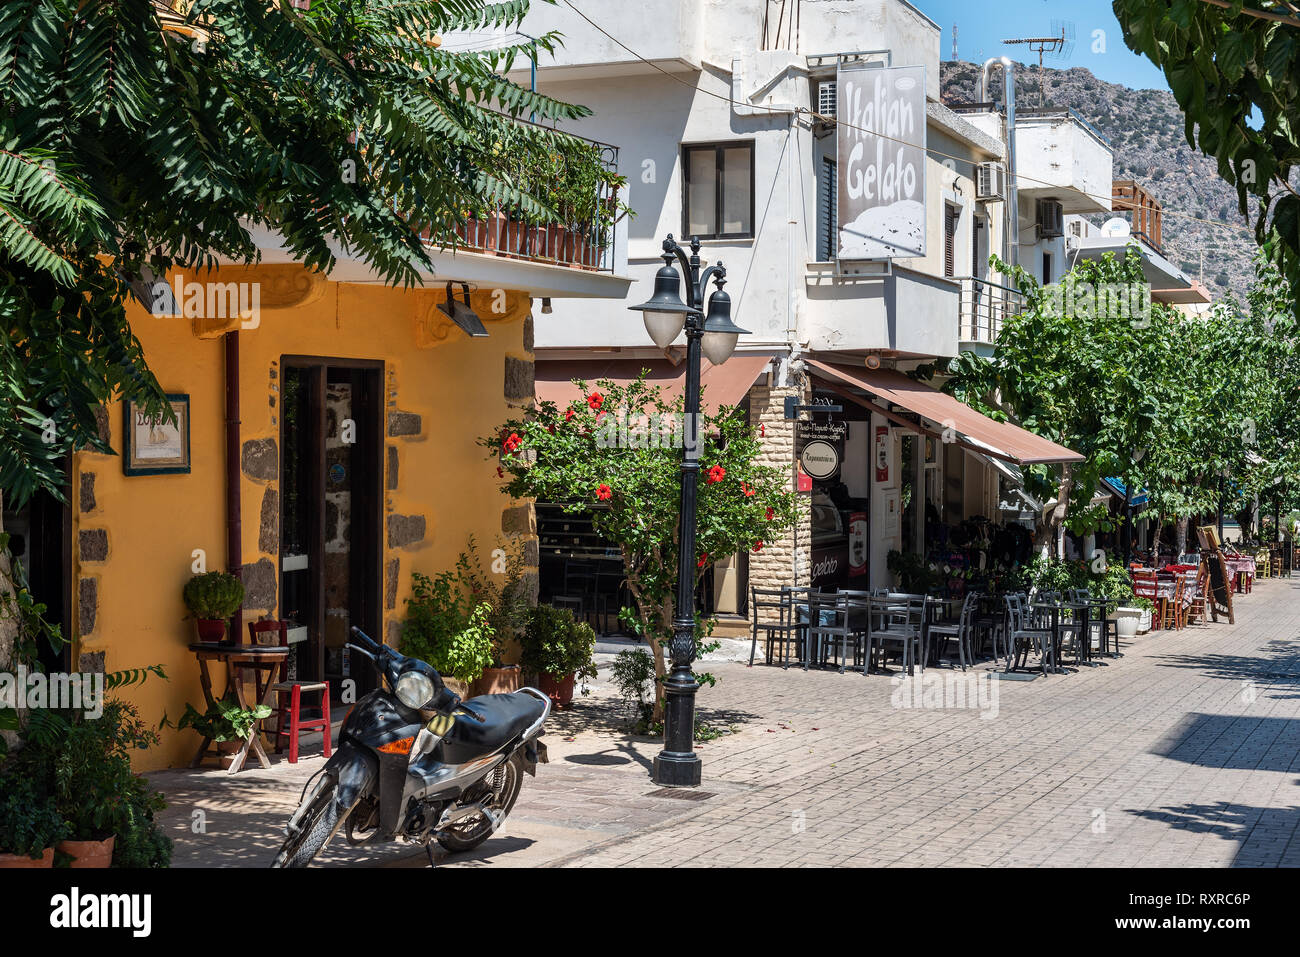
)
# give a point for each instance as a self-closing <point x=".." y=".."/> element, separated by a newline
<point x="615" y="451"/>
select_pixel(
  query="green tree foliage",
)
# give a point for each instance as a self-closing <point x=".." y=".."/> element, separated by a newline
<point x="1237" y="80"/>
<point x="1167" y="401"/>
<point x="135" y="140"/>
<point x="617" y="455"/>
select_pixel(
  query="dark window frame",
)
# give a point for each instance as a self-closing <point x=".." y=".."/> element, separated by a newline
<point x="718" y="147"/>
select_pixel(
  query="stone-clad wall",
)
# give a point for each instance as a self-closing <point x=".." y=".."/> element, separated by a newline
<point x="775" y="565"/>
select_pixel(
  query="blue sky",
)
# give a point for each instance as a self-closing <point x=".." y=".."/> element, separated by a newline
<point x="982" y="26"/>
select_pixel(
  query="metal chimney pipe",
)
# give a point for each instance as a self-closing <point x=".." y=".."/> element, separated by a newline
<point x="1011" y="232"/>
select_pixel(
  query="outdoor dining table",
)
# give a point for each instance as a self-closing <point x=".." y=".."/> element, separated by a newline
<point x="1081" y="608"/>
<point x="1241" y="567"/>
<point x="241" y="659"/>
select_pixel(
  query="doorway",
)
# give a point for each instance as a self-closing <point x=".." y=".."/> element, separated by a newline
<point x="331" y="480"/>
<point x="40" y="542"/>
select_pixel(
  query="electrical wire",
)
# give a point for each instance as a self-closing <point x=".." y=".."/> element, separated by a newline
<point x="1019" y="177"/>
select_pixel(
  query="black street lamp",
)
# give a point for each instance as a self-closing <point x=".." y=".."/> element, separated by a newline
<point x="715" y="335"/>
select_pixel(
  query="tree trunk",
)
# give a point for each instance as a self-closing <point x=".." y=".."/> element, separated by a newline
<point x="1046" y="539"/>
<point x="1181" y="540"/>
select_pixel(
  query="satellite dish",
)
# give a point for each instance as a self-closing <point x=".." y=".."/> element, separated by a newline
<point x="1116" y="228"/>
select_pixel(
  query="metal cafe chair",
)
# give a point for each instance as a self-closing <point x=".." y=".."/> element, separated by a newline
<point x="897" y="620"/>
<point x="960" y="630"/>
<point x="1023" y="636"/>
<point x="782" y="629"/>
<point x="831" y="631"/>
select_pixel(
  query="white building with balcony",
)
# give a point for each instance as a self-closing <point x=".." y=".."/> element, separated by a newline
<point x="725" y="114"/>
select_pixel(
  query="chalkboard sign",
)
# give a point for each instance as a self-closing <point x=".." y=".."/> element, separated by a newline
<point x="1220" y="580"/>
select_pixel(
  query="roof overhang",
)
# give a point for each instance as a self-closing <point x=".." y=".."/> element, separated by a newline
<point x="726" y="384"/>
<point x="951" y="419"/>
<point x="483" y="270"/>
<point x="1158" y="271"/>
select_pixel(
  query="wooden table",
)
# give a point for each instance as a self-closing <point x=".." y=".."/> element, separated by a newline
<point x="240" y="659"/>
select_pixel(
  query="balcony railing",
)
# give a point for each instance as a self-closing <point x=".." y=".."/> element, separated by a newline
<point x="579" y="182"/>
<point x="984" y="306"/>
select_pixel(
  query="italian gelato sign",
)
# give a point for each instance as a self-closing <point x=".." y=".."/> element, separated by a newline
<point x="880" y="168"/>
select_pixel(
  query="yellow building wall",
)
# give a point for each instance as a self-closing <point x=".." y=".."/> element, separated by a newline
<point x="128" y="602"/>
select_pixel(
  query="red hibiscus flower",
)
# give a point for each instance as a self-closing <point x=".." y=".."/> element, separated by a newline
<point x="595" y="400"/>
<point x="511" y="442"/>
<point x="747" y="489"/>
<point x="500" y="472"/>
<point x="758" y="545"/>
<point x="599" y="416"/>
<point x="704" y="560"/>
<point x="570" y="414"/>
<point x="603" y="492"/>
<point x="762" y="429"/>
<point x="771" y="513"/>
<point x="716" y="474"/>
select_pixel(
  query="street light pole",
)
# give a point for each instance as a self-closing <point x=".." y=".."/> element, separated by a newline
<point x="713" y="335"/>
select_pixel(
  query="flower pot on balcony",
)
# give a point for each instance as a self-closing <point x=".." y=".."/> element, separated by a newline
<point x="502" y="680"/>
<point x="512" y="237"/>
<point x="495" y="224"/>
<point x="89" y="854"/>
<point x="556" y="238"/>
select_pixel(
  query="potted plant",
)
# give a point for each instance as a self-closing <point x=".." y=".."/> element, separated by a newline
<point x="212" y="598"/>
<point x="444" y="628"/>
<point x="504" y="590"/>
<point x="30" y="825"/>
<point x="225" y="723"/>
<point x="559" y="648"/>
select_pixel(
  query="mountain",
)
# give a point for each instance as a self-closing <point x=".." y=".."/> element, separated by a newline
<point x="1145" y="128"/>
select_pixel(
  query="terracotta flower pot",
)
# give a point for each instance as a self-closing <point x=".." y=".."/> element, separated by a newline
<point x="497" y="681"/>
<point x="456" y="686"/>
<point x="558" y="689"/>
<point x="89" y="854"/>
<point x="556" y="239"/>
<point x="22" y="860"/>
<point x="512" y="237"/>
<point x="496" y="228"/>
<point x="211" y="629"/>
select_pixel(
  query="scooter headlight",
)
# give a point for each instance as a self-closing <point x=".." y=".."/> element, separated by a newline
<point x="414" y="690"/>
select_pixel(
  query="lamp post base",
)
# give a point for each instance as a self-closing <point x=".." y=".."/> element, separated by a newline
<point x="674" y="769"/>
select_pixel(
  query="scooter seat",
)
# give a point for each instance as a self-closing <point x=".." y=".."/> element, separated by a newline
<point x="494" y="720"/>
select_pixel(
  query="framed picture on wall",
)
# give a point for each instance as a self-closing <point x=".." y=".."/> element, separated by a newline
<point x="154" y="446"/>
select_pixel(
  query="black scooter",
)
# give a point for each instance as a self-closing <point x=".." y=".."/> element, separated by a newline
<point x="417" y="764"/>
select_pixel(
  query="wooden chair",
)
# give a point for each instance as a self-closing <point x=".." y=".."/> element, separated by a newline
<point x="1147" y="585"/>
<point x="295" y="690"/>
<point x="1171" y="615"/>
<point x="1199" y="608"/>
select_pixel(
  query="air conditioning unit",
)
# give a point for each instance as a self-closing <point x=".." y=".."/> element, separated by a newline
<point x="990" y="181"/>
<point x="826" y="102"/>
<point x="1051" y="219"/>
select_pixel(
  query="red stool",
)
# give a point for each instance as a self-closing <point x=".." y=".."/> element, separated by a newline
<point x="294" y="689"/>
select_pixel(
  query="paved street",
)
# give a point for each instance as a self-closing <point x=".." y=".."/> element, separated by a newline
<point x="1185" y="752"/>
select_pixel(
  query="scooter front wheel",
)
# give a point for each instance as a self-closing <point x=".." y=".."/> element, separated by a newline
<point x="315" y="829"/>
<point x="469" y="834"/>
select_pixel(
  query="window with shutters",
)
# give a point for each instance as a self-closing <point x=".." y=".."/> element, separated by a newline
<point x="718" y="190"/>
<point x="950" y="214"/>
<point x="827" y="200"/>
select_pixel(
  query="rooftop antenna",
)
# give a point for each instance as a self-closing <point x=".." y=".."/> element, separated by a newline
<point x="1058" y="47"/>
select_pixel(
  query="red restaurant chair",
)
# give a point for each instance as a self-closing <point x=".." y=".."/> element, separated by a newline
<point x="294" y="689"/>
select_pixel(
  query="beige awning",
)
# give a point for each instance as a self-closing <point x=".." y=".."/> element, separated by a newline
<point x="1000" y="439"/>
<point x="722" y="385"/>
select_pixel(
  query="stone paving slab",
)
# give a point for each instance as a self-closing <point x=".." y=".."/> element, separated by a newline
<point x="1185" y="752"/>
